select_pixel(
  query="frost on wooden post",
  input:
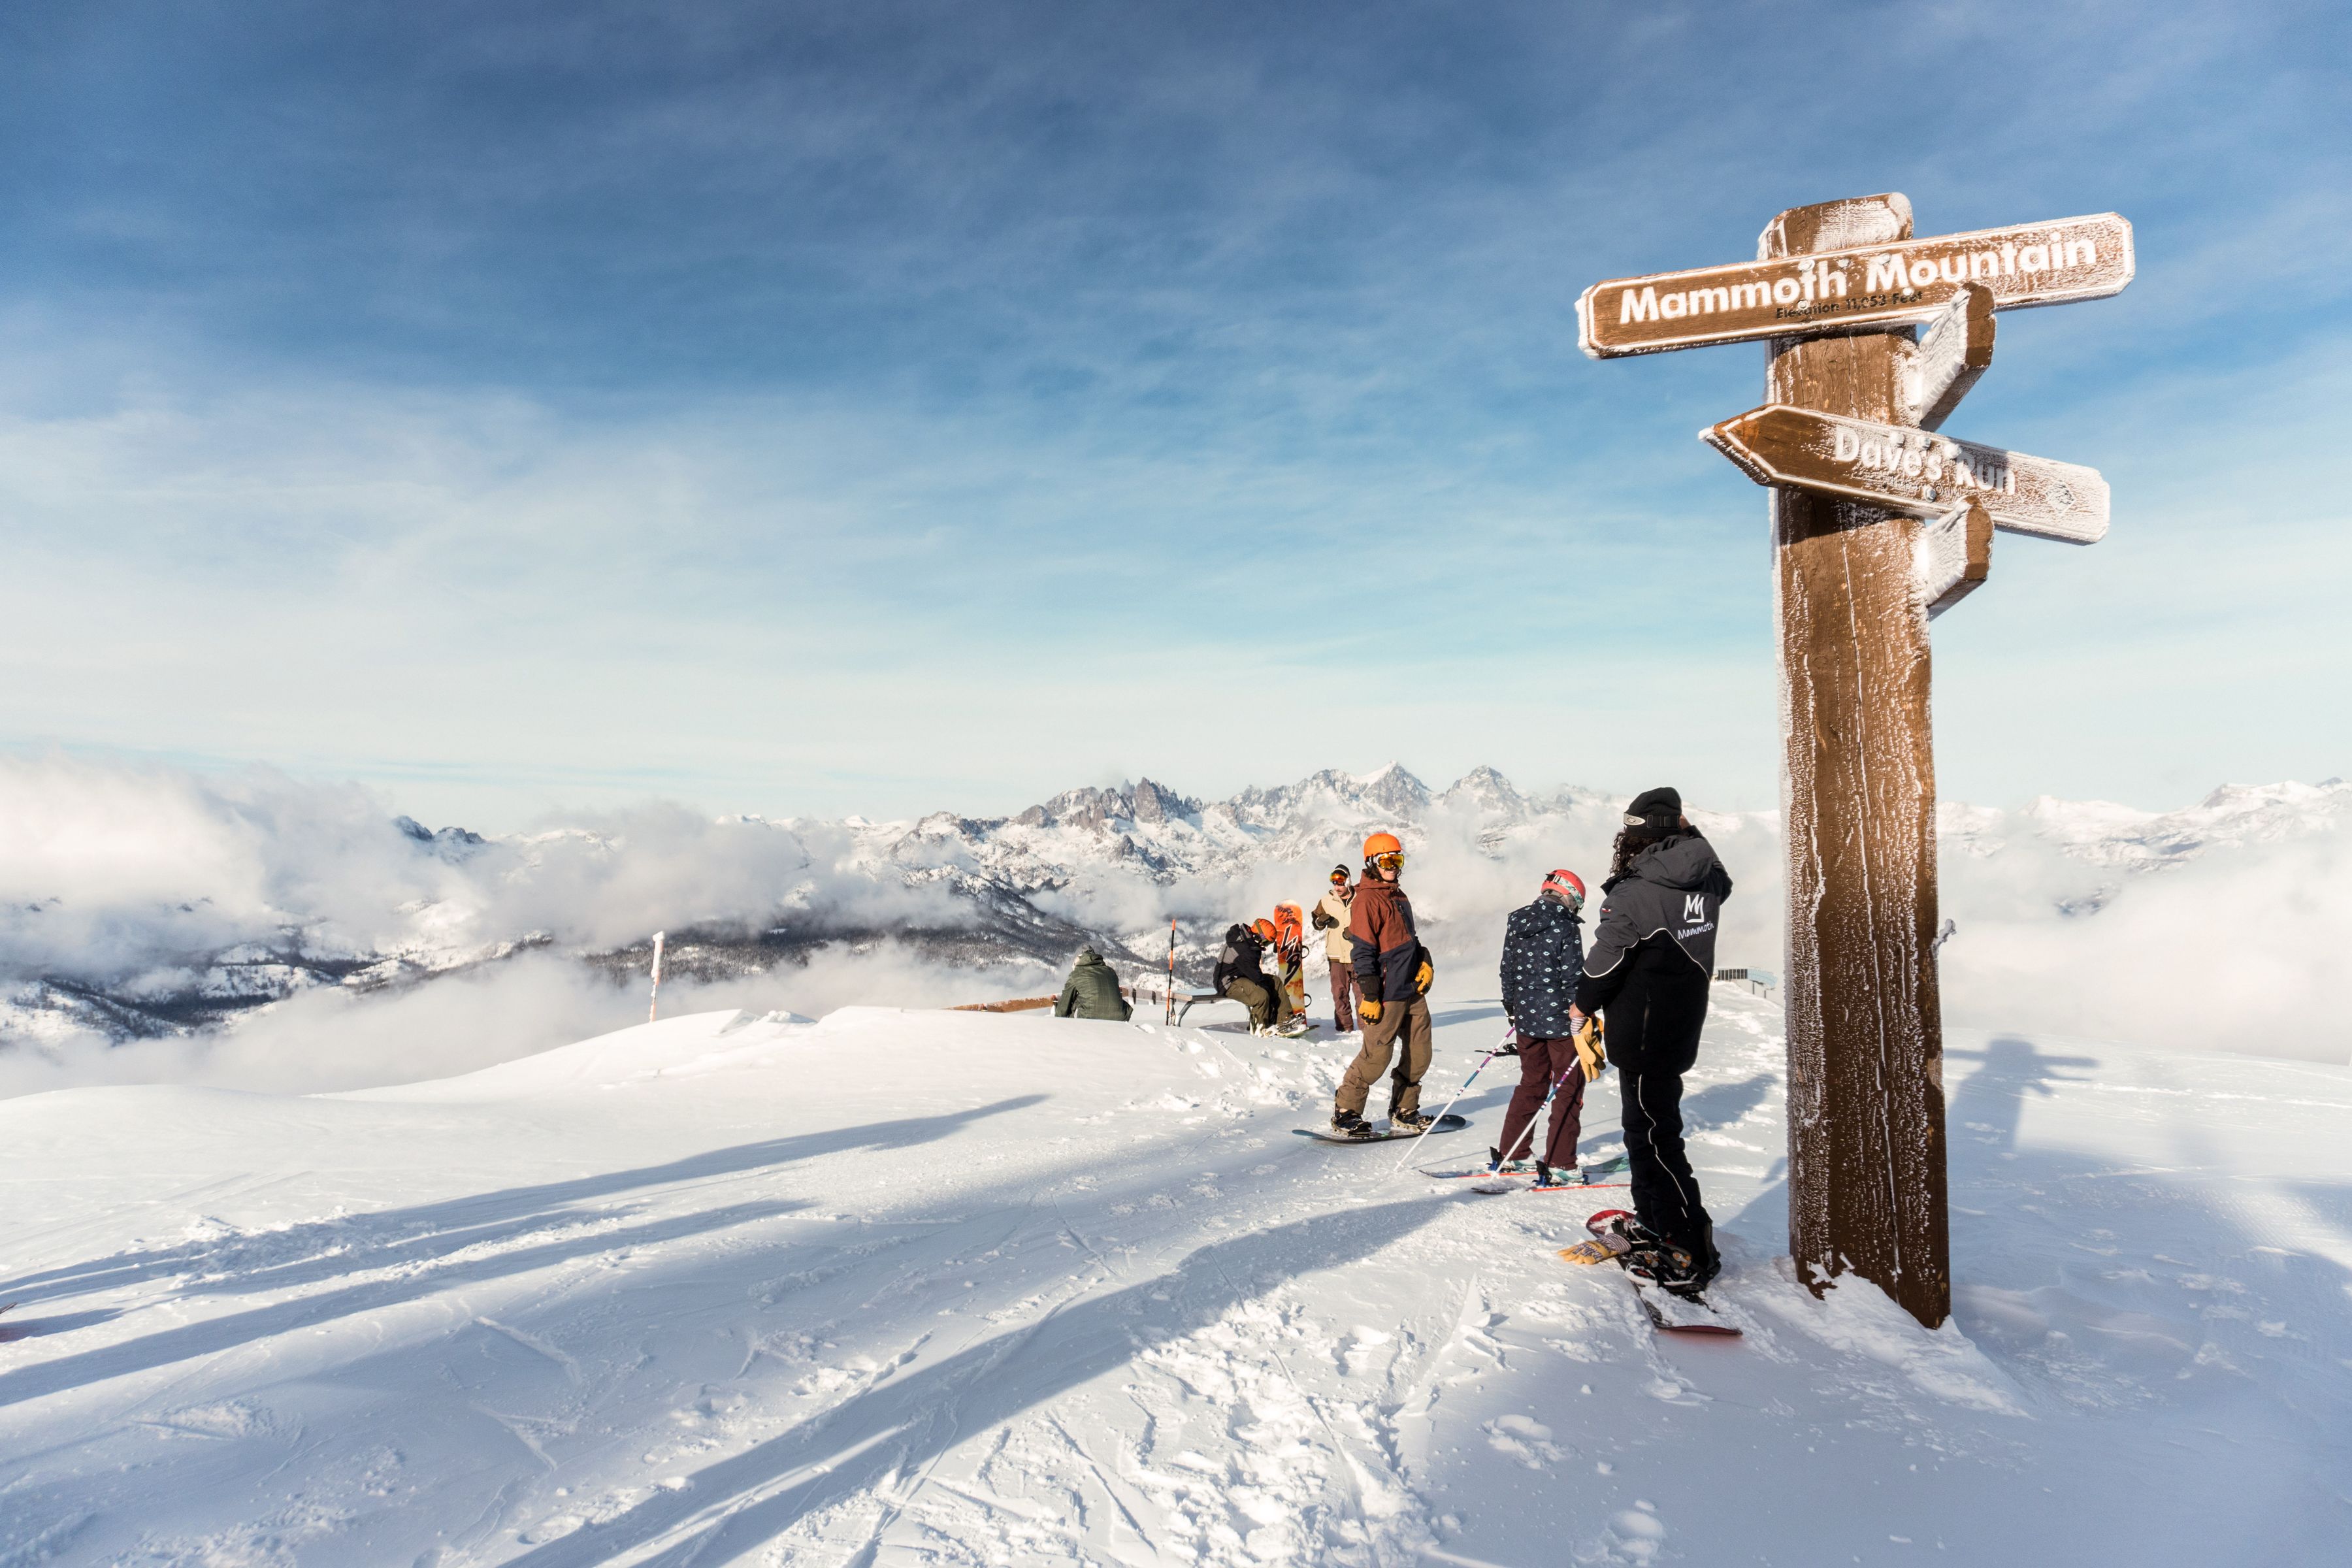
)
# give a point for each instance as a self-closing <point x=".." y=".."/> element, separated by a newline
<point x="1955" y="557"/>
<point x="1865" y="1099"/>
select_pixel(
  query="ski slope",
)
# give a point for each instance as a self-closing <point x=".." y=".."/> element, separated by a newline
<point x="901" y="1288"/>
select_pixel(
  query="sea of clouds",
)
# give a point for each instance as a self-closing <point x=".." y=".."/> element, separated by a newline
<point x="129" y="876"/>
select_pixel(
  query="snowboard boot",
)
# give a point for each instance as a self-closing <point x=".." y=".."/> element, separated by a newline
<point x="1349" y="1124"/>
<point x="1650" y="1257"/>
<point x="1292" y="1029"/>
<point x="1410" y="1120"/>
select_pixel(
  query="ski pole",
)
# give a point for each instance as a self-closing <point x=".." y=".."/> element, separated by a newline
<point x="1512" y="1152"/>
<point x="1458" y="1093"/>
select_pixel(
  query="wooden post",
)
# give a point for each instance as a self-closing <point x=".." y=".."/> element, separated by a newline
<point x="1866" y="1178"/>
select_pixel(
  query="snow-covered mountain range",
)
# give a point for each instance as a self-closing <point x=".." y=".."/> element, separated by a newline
<point x="150" y="905"/>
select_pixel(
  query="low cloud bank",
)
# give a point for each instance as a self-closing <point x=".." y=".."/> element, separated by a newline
<point x="2218" y="927"/>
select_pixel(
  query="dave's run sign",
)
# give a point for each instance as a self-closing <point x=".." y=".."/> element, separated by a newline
<point x="1915" y="471"/>
<point x="1872" y="284"/>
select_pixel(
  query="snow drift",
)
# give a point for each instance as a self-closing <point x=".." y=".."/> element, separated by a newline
<point x="901" y="1286"/>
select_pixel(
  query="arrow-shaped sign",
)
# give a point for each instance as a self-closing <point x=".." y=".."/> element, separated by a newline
<point x="1953" y="350"/>
<point x="1953" y="558"/>
<point x="1915" y="471"/>
<point x="1866" y="286"/>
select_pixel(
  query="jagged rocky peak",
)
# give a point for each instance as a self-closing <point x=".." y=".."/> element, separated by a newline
<point x="1101" y="809"/>
<point x="1391" y="793"/>
<point x="1486" y="790"/>
<point x="1157" y="803"/>
<point x="449" y="843"/>
<point x="1393" y="789"/>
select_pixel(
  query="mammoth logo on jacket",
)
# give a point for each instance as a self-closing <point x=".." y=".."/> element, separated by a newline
<point x="1674" y="889"/>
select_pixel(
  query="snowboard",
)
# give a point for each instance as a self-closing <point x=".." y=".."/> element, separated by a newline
<point x="1325" y="1135"/>
<point x="1668" y="1313"/>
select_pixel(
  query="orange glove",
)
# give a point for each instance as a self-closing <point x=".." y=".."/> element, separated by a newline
<point x="1368" y="1010"/>
<point x="1588" y="1050"/>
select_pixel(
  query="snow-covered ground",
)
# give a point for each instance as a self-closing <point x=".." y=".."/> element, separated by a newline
<point x="924" y="1287"/>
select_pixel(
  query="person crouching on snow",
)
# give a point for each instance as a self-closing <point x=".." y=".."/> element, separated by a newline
<point x="1543" y="960"/>
<point x="1241" y="975"/>
<point x="1092" y="991"/>
<point x="1651" y="962"/>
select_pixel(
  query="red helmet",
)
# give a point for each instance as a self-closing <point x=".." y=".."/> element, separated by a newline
<point x="1264" y="929"/>
<point x="1569" y="886"/>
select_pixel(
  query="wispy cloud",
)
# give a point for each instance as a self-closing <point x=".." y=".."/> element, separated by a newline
<point x="814" y="409"/>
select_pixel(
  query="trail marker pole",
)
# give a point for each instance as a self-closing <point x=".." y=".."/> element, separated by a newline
<point x="1877" y="525"/>
<point x="653" y="1008"/>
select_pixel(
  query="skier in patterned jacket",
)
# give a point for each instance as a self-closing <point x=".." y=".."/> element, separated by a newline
<point x="1653" y="958"/>
<point x="1543" y="961"/>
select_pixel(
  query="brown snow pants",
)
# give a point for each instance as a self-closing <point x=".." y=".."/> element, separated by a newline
<point x="1403" y="1023"/>
<point x="1541" y="1063"/>
<point x="1267" y="1005"/>
<point x="1343" y="995"/>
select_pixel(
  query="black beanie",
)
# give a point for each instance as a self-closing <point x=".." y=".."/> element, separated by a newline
<point x="1659" y="810"/>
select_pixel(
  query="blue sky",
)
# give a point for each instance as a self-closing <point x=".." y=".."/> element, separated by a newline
<point x="882" y="407"/>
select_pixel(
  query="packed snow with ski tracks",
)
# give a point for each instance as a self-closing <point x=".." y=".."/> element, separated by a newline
<point x="914" y="1287"/>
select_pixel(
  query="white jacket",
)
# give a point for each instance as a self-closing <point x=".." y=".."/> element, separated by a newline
<point x="1331" y="906"/>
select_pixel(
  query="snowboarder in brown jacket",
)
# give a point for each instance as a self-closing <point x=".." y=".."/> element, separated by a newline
<point x="1393" y="973"/>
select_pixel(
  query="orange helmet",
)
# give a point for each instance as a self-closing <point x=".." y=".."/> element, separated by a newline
<point x="1381" y="844"/>
<point x="1264" y="929"/>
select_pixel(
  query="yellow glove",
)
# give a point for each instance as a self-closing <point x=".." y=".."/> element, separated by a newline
<point x="1424" y="975"/>
<point x="1369" y="1011"/>
<point x="1589" y="1048"/>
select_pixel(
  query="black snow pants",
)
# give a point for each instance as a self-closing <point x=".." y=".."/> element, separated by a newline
<point x="1665" y="1194"/>
<point x="1654" y="1024"/>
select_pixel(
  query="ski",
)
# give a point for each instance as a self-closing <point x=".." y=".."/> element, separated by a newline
<point x="1325" y="1135"/>
<point x="1528" y="1168"/>
<point x="1503" y="1184"/>
<point x="1669" y="1312"/>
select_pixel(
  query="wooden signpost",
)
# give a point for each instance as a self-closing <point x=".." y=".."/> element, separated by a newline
<point x="1878" y="525"/>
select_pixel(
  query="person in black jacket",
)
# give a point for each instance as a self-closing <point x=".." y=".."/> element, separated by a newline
<point x="1543" y="960"/>
<point x="1652" y="958"/>
<point x="1241" y="975"/>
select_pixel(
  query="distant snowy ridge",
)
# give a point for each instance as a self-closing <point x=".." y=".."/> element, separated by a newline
<point x="142" y="905"/>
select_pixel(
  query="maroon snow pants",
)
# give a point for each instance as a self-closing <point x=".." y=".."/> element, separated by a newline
<point x="1343" y="997"/>
<point x="1540" y="1064"/>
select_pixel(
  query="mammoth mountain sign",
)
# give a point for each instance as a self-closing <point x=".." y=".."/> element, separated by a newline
<point x="1915" y="471"/>
<point x="1866" y="286"/>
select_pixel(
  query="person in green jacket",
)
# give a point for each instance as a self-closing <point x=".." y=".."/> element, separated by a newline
<point x="1092" y="991"/>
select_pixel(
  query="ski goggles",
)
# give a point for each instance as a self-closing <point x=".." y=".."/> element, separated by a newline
<point x="1391" y="861"/>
